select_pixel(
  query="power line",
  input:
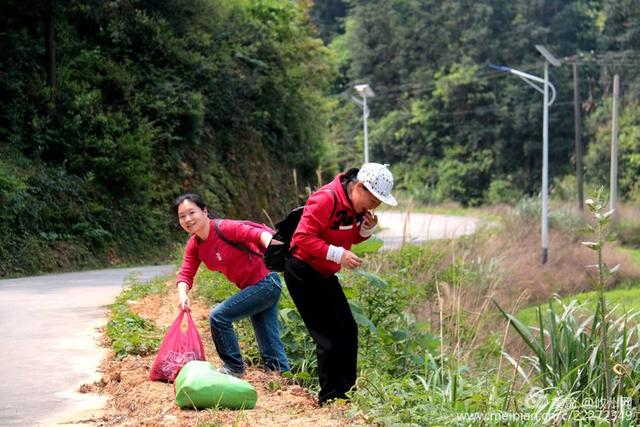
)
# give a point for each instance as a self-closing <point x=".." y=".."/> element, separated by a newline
<point x="608" y="58"/>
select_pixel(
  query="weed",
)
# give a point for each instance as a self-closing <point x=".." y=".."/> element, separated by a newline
<point x="128" y="332"/>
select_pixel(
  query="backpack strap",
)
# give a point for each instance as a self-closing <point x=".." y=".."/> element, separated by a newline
<point x="239" y="246"/>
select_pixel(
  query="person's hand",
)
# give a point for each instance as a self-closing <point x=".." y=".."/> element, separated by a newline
<point x="183" y="296"/>
<point x="184" y="302"/>
<point x="265" y="238"/>
<point x="350" y="260"/>
<point x="370" y="220"/>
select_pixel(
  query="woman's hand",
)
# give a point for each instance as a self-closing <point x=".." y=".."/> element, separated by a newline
<point x="350" y="260"/>
<point x="265" y="238"/>
<point x="183" y="297"/>
<point x="370" y="220"/>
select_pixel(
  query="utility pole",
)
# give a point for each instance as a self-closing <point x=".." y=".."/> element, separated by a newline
<point x="613" y="197"/>
<point x="365" y="92"/>
<point x="578" y="134"/>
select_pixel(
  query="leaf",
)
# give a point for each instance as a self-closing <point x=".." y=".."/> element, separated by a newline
<point x="588" y="229"/>
<point x="289" y="314"/>
<point x="361" y="319"/>
<point x="303" y="375"/>
<point x="592" y="245"/>
<point x="423" y="382"/>
<point x="369" y="246"/>
<point x="373" y="279"/>
<point x="524" y="332"/>
<point x="399" y="335"/>
<point x="516" y="365"/>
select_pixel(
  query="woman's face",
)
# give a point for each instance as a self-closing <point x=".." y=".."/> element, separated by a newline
<point x="363" y="200"/>
<point x="192" y="219"/>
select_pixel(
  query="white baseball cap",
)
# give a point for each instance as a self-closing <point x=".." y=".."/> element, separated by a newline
<point x="378" y="180"/>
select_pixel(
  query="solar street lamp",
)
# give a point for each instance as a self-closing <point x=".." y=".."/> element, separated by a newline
<point x="532" y="80"/>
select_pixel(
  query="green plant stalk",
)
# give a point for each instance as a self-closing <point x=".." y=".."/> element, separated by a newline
<point x="603" y="325"/>
<point x="441" y="332"/>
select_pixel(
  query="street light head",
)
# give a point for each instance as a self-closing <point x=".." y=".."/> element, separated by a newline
<point x="364" y="91"/>
<point x="547" y="55"/>
<point x="500" y="68"/>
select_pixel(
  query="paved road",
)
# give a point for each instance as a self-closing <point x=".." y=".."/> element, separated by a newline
<point x="399" y="227"/>
<point x="47" y="341"/>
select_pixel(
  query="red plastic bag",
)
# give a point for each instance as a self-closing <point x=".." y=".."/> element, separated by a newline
<point x="177" y="349"/>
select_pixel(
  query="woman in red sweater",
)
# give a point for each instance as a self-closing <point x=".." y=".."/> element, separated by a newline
<point x="334" y="218"/>
<point x="235" y="251"/>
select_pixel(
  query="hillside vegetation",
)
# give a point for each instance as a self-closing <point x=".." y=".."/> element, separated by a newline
<point x="112" y="109"/>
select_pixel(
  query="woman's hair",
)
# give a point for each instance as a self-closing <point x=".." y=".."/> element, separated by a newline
<point x="193" y="198"/>
<point x="352" y="175"/>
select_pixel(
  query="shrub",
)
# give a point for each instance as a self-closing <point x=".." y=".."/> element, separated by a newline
<point x="502" y="191"/>
<point x="529" y="210"/>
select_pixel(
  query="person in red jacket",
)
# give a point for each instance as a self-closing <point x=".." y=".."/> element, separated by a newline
<point x="335" y="217"/>
<point x="235" y="251"/>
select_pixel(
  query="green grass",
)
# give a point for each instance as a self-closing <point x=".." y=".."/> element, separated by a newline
<point x="634" y="253"/>
<point x="621" y="300"/>
<point x="129" y="333"/>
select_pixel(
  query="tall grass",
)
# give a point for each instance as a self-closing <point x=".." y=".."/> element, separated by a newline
<point x="417" y="361"/>
<point x="585" y="358"/>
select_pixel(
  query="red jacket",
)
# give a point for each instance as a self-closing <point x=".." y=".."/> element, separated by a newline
<point x="241" y="268"/>
<point x="318" y="228"/>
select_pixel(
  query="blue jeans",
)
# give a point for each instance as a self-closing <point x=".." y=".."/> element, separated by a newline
<point x="260" y="302"/>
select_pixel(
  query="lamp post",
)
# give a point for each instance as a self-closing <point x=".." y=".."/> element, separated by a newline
<point x="530" y="79"/>
<point x="365" y="92"/>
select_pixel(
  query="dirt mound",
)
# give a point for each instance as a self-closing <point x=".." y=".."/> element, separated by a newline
<point x="136" y="401"/>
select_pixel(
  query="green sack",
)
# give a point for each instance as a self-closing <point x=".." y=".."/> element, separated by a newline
<point x="199" y="385"/>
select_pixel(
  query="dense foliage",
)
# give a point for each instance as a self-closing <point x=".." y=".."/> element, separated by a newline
<point x="111" y="109"/>
<point x="453" y="128"/>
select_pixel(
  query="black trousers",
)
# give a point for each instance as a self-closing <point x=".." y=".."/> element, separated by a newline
<point x="326" y="314"/>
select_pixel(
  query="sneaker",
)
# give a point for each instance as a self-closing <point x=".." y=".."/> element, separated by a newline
<point x="226" y="371"/>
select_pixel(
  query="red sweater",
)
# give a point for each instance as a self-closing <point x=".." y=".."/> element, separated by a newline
<point x="318" y="229"/>
<point x="241" y="268"/>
